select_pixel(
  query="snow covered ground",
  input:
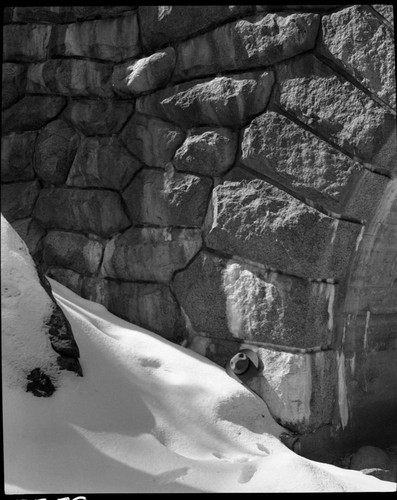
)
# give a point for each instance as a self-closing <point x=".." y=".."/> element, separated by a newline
<point x="148" y="415"/>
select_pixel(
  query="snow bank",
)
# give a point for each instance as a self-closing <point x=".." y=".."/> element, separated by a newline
<point x="148" y="416"/>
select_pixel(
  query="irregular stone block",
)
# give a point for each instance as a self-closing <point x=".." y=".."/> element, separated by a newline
<point x="144" y="75"/>
<point x="386" y="11"/>
<point x="150" y="254"/>
<point x="94" y="117"/>
<point x="207" y="151"/>
<point x="73" y="251"/>
<point x="257" y="221"/>
<point x="338" y="110"/>
<point x="95" y="289"/>
<point x="70" y="77"/>
<point x="13" y="83"/>
<point x="275" y="146"/>
<point x="106" y="39"/>
<point x="167" y="199"/>
<point x="88" y="211"/>
<point x="55" y="150"/>
<point x="247" y="43"/>
<point x="18" y="199"/>
<point x="162" y="24"/>
<point x="152" y="140"/>
<point x="359" y="42"/>
<point x="148" y="305"/>
<point x="65" y="14"/>
<point x="31" y="113"/>
<point x="231" y="300"/>
<point x="91" y="166"/>
<point x="223" y="101"/>
<point x="23" y="42"/>
<point x="17" y="156"/>
<point x="66" y="277"/>
<point x="31" y="232"/>
<point x="290" y="384"/>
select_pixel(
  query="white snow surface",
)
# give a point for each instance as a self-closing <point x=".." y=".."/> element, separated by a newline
<point x="147" y="416"/>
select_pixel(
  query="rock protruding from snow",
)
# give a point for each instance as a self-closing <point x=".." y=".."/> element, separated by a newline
<point x="37" y="339"/>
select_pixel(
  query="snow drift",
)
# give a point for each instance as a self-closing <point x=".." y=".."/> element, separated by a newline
<point x="148" y="415"/>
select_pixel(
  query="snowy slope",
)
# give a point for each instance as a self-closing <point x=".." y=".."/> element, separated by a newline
<point x="148" y="416"/>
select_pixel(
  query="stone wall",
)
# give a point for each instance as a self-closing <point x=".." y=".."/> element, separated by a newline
<point x="224" y="176"/>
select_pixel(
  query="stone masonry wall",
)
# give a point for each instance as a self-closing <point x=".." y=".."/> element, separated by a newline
<point x="224" y="176"/>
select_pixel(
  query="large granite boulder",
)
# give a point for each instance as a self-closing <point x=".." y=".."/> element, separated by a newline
<point x="150" y="253"/>
<point x="167" y="198"/>
<point x="84" y="210"/>
<point x="144" y="75"/>
<point x="370" y="57"/>
<point x="54" y="152"/>
<point x="37" y="339"/>
<point x="252" y="42"/>
<point x="17" y="152"/>
<point x="338" y="111"/>
<point x="257" y="221"/>
<point x="207" y="151"/>
<point x="228" y="101"/>
<point x="102" y="162"/>
<point x="152" y="140"/>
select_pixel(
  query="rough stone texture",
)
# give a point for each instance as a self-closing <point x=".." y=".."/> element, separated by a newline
<point x="162" y="24"/>
<point x="26" y="43"/>
<point x="152" y="140"/>
<point x="144" y="75"/>
<point x="167" y="199"/>
<point x="13" y="83"/>
<point x="31" y="113"/>
<point x="257" y="221"/>
<point x="112" y="40"/>
<point x="368" y="457"/>
<point x="230" y="300"/>
<point x="72" y="251"/>
<point x="95" y="289"/>
<point x="102" y="162"/>
<point x="17" y="156"/>
<point x="64" y="14"/>
<point x="149" y="305"/>
<point x="32" y="234"/>
<point x="337" y="110"/>
<point x="55" y="150"/>
<point x="386" y="11"/>
<point x="70" y="77"/>
<point x="223" y="101"/>
<point x="87" y="211"/>
<point x="247" y="43"/>
<point x="94" y="117"/>
<point x="11" y="196"/>
<point x="369" y="56"/>
<point x="207" y="151"/>
<point x="66" y="277"/>
<point x="290" y="156"/>
<point x="150" y="254"/>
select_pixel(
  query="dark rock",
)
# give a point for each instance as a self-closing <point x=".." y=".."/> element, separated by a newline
<point x="13" y="83"/>
<point x="17" y="152"/>
<point x="22" y="42"/>
<point x="18" y="199"/>
<point x="65" y="14"/>
<point x="32" y="234"/>
<point x="39" y="384"/>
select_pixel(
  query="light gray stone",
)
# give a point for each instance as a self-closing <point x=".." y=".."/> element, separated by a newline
<point x="150" y="254"/>
<point x="167" y="199"/>
<point x="17" y="156"/>
<point x="222" y="101"/>
<point x="56" y="148"/>
<point x="262" y="40"/>
<point x="102" y="162"/>
<point x="144" y="75"/>
<point x="207" y="151"/>
<point x="152" y="140"/>
<point x="84" y="210"/>
<point x="358" y="41"/>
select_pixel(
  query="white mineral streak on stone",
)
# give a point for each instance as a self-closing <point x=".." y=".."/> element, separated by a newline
<point x="352" y="362"/>
<point x="331" y="297"/>
<point x="334" y="230"/>
<point x="342" y="391"/>
<point x="360" y="237"/>
<point x="366" y="329"/>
